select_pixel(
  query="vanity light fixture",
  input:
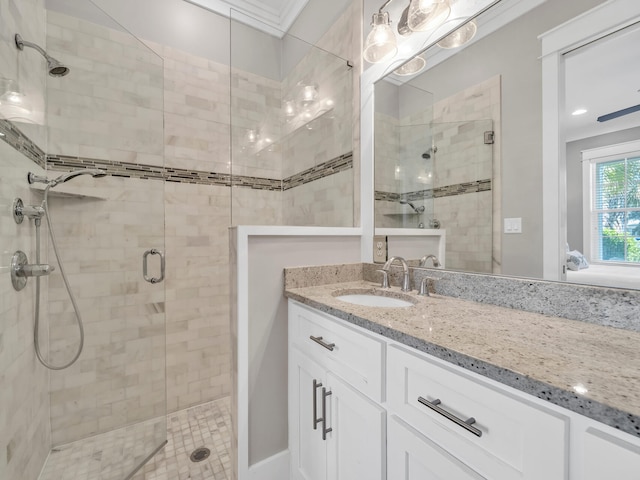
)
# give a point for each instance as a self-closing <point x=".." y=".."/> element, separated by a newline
<point x="419" y="16"/>
<point x="427" y="14"/>
<point x="413" y="66"/>
<point x="381" y="43"/>
<point x="460" y="36"/>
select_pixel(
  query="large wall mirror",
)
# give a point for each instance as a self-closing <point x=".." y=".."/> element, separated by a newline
<point x="458" y="150"/>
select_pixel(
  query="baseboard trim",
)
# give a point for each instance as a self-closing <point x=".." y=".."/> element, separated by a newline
<point x="275" y="467"/>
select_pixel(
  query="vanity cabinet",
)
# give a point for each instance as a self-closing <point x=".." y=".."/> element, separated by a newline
<point x="390" y="411"/>
<point x="606" y="454"/>
<point x="413" y="456"/>
<point x="336" y="431"/>
<point x="498" y="435"/>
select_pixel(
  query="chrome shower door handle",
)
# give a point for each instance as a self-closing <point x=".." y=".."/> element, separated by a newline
<point x="149" y="279"/>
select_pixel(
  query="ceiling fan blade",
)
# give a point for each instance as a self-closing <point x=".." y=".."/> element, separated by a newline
<point x="619" y="113"/>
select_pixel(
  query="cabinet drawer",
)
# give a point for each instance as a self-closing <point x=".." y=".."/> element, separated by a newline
<point x="354" y="356"/>
<point x="515" y="439"/>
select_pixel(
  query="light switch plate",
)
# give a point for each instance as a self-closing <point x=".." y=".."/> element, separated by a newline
<point x="379" y="249"/>
<point x="513" y="225"/>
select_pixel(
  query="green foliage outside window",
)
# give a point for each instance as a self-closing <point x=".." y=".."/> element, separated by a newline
<point x="617" y="198"/>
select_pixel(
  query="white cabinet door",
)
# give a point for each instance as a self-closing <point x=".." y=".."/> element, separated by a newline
<point x="356" y="448"/>
<point x="412" y="456"/>
<point x="609" y="457"/>
<point x="308" y="450"/>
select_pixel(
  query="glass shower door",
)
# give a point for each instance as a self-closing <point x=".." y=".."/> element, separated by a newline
<point x="108" y="410"/>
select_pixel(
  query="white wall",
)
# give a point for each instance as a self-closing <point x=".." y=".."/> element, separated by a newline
<point x="259" y="319"/>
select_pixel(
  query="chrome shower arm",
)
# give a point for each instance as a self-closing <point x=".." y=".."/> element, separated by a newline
<point x="20" y="43"/>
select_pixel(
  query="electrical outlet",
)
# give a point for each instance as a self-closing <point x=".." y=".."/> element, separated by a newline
<point x="379" y="249"/>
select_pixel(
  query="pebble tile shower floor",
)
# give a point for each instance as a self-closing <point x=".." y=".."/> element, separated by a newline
<point x="100" y="457"/>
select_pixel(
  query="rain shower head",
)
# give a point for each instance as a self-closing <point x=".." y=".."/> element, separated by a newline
<point x="54" y="67"/>
<point x="65" y="177"/>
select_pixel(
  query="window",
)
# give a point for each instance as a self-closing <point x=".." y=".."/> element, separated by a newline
<point x="613" y="218"/>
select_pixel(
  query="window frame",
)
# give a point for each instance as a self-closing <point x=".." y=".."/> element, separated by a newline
<point x="590" y="159"/>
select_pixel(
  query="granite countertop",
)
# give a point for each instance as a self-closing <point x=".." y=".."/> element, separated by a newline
<point x="589" y="369"/>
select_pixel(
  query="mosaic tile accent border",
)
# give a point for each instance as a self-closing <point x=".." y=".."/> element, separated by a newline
<point x="134" y="170"/>
<point x="11" y="134"/>
<point x="325" y="169"/>
<point x="438" y="192"/>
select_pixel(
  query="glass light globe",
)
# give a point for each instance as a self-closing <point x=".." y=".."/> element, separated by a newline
<point x="427" y="14"/>
<point x="459" y="37"/>
<point x="381" y="42"/>
<point x="412" y="67"/>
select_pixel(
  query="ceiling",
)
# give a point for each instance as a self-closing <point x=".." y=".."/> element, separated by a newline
<point x="274" y="17"/>
<point x="603" y="77"/>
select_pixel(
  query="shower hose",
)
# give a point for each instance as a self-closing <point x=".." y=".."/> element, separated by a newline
<point x="36" y="329"/>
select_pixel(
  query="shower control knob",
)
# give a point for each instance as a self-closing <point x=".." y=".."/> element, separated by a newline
<point x="21" y="269"/>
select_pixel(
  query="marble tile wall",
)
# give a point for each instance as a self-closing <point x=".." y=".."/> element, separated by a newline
<point x="256" y="120"/>
<point x="197" y="289"/>
<point x="111" y="106"/>
<point x="333" y="67"/>
<point x="24" y="399"/>
<point x="326" y="202"/>
<point x="481" y="102"/>
<point x="103" y="226"/>
<point x="197" y="109"/>
<point x="24" y="396"/>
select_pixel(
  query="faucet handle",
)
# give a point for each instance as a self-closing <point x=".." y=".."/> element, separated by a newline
<point x="385" y="278"/>
<point x="424" y="285"/>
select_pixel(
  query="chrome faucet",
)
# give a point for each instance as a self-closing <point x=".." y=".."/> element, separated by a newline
<point x="405" y="271"/>
<point x="434" y="259"/>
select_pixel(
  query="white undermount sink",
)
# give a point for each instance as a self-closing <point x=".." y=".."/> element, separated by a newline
<point x="372" y="300"/>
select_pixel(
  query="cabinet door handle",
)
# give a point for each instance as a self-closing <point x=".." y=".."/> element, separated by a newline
<point x="325" y="430"/>
<point x="466" y="424"/>
<point x="320" y="341"/>
<point x="316" y="420"/>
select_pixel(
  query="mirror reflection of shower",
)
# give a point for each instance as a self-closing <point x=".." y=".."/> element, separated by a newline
<point x="427" y="155"/>
<point x="419" y="209"/>
<point x="44" y="211"/>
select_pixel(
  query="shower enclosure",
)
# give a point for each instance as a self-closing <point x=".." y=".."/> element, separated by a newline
<point x="103" y="416"/>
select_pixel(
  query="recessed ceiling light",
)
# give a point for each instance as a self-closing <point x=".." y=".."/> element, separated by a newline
<point x="579" y="111"/>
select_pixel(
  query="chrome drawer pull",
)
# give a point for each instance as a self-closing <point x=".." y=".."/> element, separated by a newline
<point x="316" y="420"/>
<point x="466" y="424"/>
<point x="319" y="341"/>
<point x="325" y="430"/>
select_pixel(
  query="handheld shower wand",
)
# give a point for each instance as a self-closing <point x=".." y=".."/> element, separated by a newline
<point x="419" y="209"/>
<point x="65" y="177"/>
